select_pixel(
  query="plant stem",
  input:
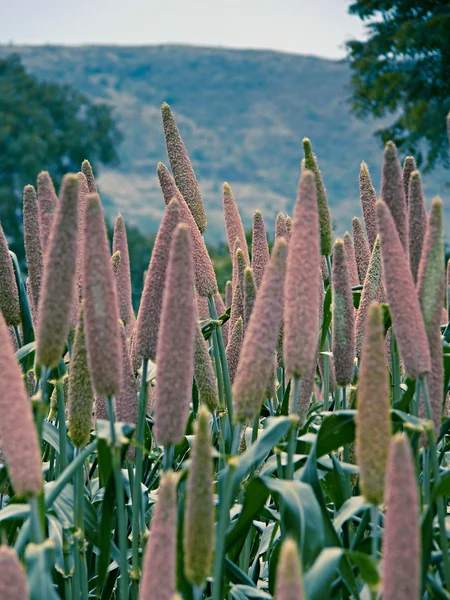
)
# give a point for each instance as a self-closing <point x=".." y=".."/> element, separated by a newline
<point x="81" y="575"/>
<point x="326" y="380"/>
<point x="37" y="519"/>
<point x="168" y="457"/>
<point x="395" y="367"/>
<point x="137" y="493"/>
<point x="62" y="428"/>
<point x="374" y="544"/>
<point x="328" y="261"/>
<point x="292" y="439"/>
<point x="224" y="517"/>
<point x="441" y="503"/>
<point x="223" y="361"/>
<point x="120" y="506"/>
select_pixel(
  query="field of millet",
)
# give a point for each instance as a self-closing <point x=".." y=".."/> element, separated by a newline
<point x="286" y="437"/>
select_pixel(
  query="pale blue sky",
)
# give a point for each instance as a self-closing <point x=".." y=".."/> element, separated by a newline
<point x="317" y="27"/>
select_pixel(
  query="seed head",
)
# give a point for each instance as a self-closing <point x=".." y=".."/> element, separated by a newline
<point x="417" y="222"/>
<point x="373" y="412"/>
<point x="343" y="335"/>
<point x="9" y="295"/>
<point x="18" y="435"/>
<point x="123" y="276"/>
<point x="306" y="389"/>
<point x="228" y="293"/>
<point x="401" y="544"/>
<point x="204" y="372"/>
<point x="257" y="356"/>
<point x="58" y="286"/>
<point x="48" y="202"/>
<point x="368" y="198"/>
<point x="249" y="294"/>
<point x="32" y="241"/>
<point x="326" y="227"/>
<point x="237" y="304"/>
<point x="115" y="261"/>
<point x="280" y="226"/>
<point x="175" y="349"/>
<point x="101" y="306"/>
<point x="260" y="248"/>
<point x="152" y="297"/>
<point x="89" y="174"/>
<point x="303" y="287"/>
<point x="13" y="581"/>
<point x="126" y="401"/>
<point x="234" y="348"/>
<point x="409" y="166"/>
<point x="182" y="168"/>
<point x="199" y="514"/>
<point x="402" y="297"/>
<point x="393" y="193"/>
<point x="83" y="192"/>
<point x="362" y="249"/>
<point x="350" y="259"/>
<point x="233" y="223"/>
<point x="431" y="291"/>
<point x="205" y="278"/>
<point x="81" y="396"/>
<point x="288" y="228"/>
<point x="158" y="573"/>
<point x="289" y="583"/>
<point x="369" y="293"/>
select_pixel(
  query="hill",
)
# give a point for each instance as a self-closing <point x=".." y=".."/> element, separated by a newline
<point x="242" y="114"/>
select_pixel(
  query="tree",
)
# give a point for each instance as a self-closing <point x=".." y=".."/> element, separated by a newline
<point x="45" y="126"/>
<point x="403" y="69"/>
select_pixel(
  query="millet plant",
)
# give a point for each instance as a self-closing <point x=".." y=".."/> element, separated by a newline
<point x="285" y="437"/>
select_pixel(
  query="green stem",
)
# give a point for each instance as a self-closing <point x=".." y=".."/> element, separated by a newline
<point x="120" y="506"/>
<point x="328" y="261"/>
<point x="62" y="427"/>
<point x="292" y="439"/>
<point x="224" y="433"/>
<point x="326" y="380"/>
<point x="17" y="334"/>
<point x="441" y="502"/>
<point x="67" y="573"/>
<point x="224" y="517"/>
<point x="395" y="367"/>
<point x="223" y="361"/>
<point x="81" y="578"/>
<point x="37" y="519"/>
<point x="168" y="457"/>
<point x="374" y="544"/>
<point x="137" y="493"/>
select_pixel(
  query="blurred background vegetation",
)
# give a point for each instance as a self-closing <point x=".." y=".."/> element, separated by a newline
<point x="242" y="114"/>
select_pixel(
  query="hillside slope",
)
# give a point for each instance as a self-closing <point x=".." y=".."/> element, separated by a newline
<point x="242" y="115"/>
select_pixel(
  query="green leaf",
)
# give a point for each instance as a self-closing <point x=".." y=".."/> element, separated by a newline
<point x="15" y="511"/>
<point x="242" y="592"/>
<point x="349" y="509"/>
<point x="337" y="430"/>
<point x="277" y="428"/>
<point x="39" y="559"/>
<point x="301" y="515"/>
<point x="319" y="579"/>
<point x="25" y="351"/>
<point x="256" y="494"/>
<point x="50" y="434"/>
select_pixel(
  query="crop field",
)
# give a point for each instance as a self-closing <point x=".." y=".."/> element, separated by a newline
<point x="285" y="437"/>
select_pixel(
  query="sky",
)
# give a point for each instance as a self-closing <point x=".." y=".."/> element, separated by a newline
<point x="318" y="27"/>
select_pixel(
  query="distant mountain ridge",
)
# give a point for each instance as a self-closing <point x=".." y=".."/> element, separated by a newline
<point x="242" y="115"/>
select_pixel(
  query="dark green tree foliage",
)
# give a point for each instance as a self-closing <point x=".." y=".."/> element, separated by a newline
<point x="45" y="126"/>
<point x="403" y="69"/>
